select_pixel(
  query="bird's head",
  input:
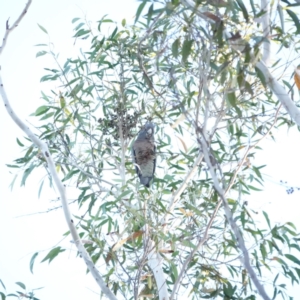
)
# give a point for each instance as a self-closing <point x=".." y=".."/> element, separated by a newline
<point x="147" y="132"/>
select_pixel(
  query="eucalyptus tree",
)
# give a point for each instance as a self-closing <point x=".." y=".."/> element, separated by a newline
<point x="203" y="73"/>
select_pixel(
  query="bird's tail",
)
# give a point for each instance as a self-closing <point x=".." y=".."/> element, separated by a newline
<point x="145" y="181"/>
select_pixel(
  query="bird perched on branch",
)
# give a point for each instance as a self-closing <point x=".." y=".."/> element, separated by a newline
<point x="143" y="152"/>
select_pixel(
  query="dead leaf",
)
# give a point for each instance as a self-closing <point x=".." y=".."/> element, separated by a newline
<point x="297" y="77"/>
<point x="166" y="250"/>
<point x="120" y="243"/>
<point x="186" y="213"/>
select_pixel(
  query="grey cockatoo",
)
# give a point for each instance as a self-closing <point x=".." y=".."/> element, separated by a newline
<point x="143" y="152"/>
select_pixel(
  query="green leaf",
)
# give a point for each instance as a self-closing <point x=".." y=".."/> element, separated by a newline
<point x="75" y="20"/>
<point x="13" y="182"/>
<point x="229" y="290"/>
<point x="298" y="272"/>
<point x="70" y="174"/>
<point x="186" y="49"/>
<point x="139" y="10"/>
<point x="149" y="14"/>
<point x="22" y="285"/>
<point x="41" y="53"/>
<point x="79" y="26"/>
<point x="169" y="8"/>
<point x="282" y="21"/>
<point x="53" y="253"/>
<point x="295" y="20"/>
<point x="231" y="99"/>
<point x="267" y="218"/>
<point x="123" y="194"/>
<point x="2" y="284"/>
<point x="3" y="297"/>
<point x="257" y="172"/>
<point x="175" y="47"/>
<point x="42" y="28"/>
<point x="261" y="76"/>
<point x="40" y="45"/>
<point x="194" y="209"/>
<point x="82" y="32"/>
<point x="293" y="258"/>
<point x="254" y="188"/>
<point x="263" y="251"/>
<point x="253" y="6"/>
<point x="26" y="174"/>
<point x="114" y="33"/>
<point x="19" y="143"/>
<point x="292" y="225"/>
<point x="40" y="189"/>
<point x="32" y="261"/>
<point x="107" y="21"/>
<point x="47" y="116"/>
<point x="281" y="261"/>
<point x="174" y="270"/>
<point x="188" y="244"/>
<point x="41" y="110"/>
<point x="243" y="8"/>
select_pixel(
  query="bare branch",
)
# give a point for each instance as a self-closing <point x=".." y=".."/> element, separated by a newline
<point x="280" y="93"/>
<point x="9" y="29"/>
<point x="273" y="84"/>
<point x="265" y="20"/>
<point x="155" y="262"/>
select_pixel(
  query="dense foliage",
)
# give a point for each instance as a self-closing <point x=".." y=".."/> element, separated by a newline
<point x="189" y="67"/>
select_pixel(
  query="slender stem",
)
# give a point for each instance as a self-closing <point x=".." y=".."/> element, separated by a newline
<point x="9" y="29"/>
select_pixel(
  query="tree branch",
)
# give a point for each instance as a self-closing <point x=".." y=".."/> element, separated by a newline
<point x="273" y="84"/>
<point x="229" y="217"/>
<point x="10" y="29"/>
<point x="280" y="93"/>
<point x="51" y="165"/>
<point x="155" y="262"/>
<point x="265" y="20"/>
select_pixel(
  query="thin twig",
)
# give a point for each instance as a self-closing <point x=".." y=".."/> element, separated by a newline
<point x="9" y="29"/>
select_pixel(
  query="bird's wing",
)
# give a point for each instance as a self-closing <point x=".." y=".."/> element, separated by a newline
<point x="134" y="156"/>
<point x="154" y="161"/>
<point x="144" y="158"/>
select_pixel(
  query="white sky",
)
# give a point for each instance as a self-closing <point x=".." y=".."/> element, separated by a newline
<point x="20" y="238"/>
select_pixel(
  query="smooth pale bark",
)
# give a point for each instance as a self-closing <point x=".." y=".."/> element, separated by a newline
<point x="281" y="94"/>
<point x="51" y="166"/>
<point x="155" y="262"/>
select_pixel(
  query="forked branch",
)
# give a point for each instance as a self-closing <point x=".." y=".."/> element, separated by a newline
<point x="9" y="29"/>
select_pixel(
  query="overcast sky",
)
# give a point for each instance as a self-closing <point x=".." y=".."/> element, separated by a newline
<point x="21" y="237"/>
